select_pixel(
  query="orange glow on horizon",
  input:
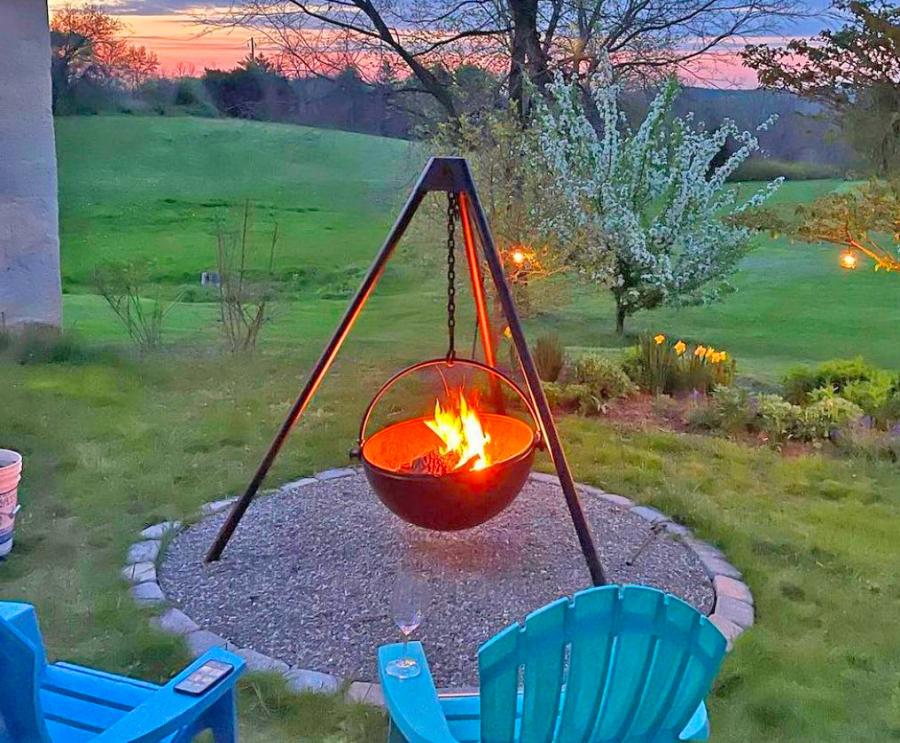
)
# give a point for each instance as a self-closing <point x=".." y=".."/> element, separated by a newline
<point x="185" y="46"/>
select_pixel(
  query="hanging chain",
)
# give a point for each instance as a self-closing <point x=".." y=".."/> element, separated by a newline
<point x="452" y="213"/>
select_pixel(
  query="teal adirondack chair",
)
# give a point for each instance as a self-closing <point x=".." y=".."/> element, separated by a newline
<point x="62" y="702"/>
<point x="615" y="664"/>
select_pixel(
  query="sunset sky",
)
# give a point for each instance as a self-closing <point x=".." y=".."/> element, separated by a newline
<point x="169" y="28"/>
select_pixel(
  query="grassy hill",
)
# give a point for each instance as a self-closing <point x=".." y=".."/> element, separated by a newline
<point x="156" y="188"/>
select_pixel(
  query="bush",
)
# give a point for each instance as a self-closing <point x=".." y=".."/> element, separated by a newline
<point x="775" y="417"/>
<point x="889" y="413"/>
<point x="835" y="375"/>
<point x="573" y="398"/>
<point x="122" y="285"/>
<point x="549" y="357"/>
<point x="867" y="442"/>
<point x="826" y="413"/>
<point x="728" y="410"/>
<point x="605" y="379"/>
<point x="872" y="395"/>
<point x="732" y="407"/>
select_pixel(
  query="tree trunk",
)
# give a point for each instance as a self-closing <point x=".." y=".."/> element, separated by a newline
<point x="620" y="317"/>
<point x="527" y="57"/>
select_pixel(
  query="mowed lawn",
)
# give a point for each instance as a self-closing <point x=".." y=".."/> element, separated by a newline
<point x="156" y="189"/>
<point x="116" y="441"/>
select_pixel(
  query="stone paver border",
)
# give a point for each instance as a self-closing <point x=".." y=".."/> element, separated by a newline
<point x="733" y="610"/>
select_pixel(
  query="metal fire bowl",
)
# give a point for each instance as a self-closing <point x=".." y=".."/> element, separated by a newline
<point x="456" y="501"/>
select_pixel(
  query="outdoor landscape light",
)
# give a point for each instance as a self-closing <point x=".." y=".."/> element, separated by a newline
<point x="849" y="260"/>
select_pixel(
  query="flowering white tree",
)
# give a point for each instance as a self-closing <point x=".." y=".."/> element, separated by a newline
<point x="645" y="212"/>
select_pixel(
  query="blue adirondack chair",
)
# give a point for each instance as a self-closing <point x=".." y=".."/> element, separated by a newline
<point x="614" y="664"/>
<point x="62" y="702"/>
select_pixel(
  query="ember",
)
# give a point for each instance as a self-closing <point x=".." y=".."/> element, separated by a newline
<point x="464" y="441"/>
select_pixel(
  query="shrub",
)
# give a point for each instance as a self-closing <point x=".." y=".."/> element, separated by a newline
<point x="889" y="413"/>
<point x="775" y="417"/>
<point x="604" y="379"/>
<point x="732" y="406"/>
<point x="122" y="285"/>
<point x="867" y="442"/>
<point x="872" y="395"/>
<point x="826" y="413"/>
<point x="702" y="418"/>
<point x="798" y="383"/>
<point x="835" y="374"/>
<point x="243" y="295"/>
<point x="549" y="357"/>
<point x="728" y="410"/>
<point x="572" y="398"/>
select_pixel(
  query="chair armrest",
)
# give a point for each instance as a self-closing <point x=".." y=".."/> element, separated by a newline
<point x="413" y="703"/>
<point x="697" y="727"/>
<point x="167" y="710"/>
<point x="23" y="618"/>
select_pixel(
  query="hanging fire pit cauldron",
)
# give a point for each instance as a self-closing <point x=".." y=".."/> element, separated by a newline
<point x="395" y="456"/>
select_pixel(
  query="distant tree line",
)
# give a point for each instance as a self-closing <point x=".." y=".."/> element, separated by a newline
<point x="91" y="60"/>
<point x="96" y="70"/>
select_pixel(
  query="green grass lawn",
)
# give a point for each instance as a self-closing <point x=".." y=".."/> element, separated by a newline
<point x="117" y="442"/>
<point x="155" y="188"/>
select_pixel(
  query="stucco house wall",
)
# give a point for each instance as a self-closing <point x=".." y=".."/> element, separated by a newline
<point x="29" y="223"/>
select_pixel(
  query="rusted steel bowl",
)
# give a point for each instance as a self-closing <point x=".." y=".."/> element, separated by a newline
<point x="458" y="500"/>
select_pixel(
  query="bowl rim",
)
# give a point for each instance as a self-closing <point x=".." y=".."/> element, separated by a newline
<point x="518" y="456"/>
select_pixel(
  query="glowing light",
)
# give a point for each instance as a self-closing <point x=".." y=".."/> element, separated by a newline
<point x="849" y="260"/>
<point x="518" y="257"/>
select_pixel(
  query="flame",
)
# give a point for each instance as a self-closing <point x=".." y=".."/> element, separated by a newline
<point x="459" y="428"/>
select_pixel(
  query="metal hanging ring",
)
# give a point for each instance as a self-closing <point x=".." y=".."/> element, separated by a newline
<point x="444" y="362"/>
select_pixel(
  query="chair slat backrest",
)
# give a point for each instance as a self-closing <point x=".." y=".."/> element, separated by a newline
<point x="20" y="666"/>
<point x="615" y="663"/>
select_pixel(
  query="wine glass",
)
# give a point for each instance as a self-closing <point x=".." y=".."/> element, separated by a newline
<point x="407" y="605"/>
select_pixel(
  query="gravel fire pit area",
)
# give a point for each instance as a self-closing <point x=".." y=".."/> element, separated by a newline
<point x="308" y="576"/>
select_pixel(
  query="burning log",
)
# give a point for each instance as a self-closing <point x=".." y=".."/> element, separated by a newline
<point x="437" y="465"/>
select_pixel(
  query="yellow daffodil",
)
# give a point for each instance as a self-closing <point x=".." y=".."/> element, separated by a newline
<point x="680" y="347"/>
<point x="700" y="351"/>
<point x="659" y="339"/>
<point x="724" y="356"/>
<point x="710" y="353"/>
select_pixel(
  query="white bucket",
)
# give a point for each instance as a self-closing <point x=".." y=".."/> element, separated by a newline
<point x="10" y="472"/>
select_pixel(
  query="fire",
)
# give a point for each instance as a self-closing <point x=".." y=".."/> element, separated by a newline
<point x="464" y="439"/>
